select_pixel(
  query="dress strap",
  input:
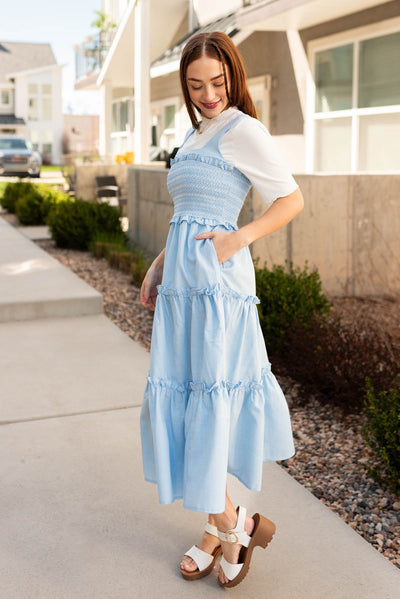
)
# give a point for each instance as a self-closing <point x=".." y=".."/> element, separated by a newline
<point x="188" y="134"/>
<point x="228" y="127"/>
<point x="214" y="141"/>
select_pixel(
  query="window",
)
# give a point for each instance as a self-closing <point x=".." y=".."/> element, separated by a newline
<point x="379" y="71"/>
<point x="46" y="109"/>
<point x="5" y="97"/>
<point x="33" y="109"/>
<point x="334" y="79"/>
<point x="40" y="105"/>
<point x="356" y="117"/>
<point x="168" y="138"/>
<point x="122" y="115"/>
<point x="169" y="116"/>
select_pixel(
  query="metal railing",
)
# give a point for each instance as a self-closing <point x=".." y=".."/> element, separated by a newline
<point x="91" y="54"/>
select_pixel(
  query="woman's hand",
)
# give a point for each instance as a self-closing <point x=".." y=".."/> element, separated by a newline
<point x="148" y="290"/>
<point x="282" y="211"/>
<point x="226" y="243"/>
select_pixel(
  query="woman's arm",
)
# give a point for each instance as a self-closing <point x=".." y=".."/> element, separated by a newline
<point x="282" y="211"/>
<point x="148" y="290"/>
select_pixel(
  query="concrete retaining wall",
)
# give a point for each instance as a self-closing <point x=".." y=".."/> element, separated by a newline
<point x="349" y="229"/>
<point x="86" y="183"/>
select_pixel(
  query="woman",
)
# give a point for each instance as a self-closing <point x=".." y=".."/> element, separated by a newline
<point x="211" y="404"/>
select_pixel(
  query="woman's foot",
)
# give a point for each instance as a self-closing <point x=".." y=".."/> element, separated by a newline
<point x="231" y="551"/>
<point x="208" y="544"/>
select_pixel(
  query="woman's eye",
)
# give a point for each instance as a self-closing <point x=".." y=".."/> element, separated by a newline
<point x="218" y="84"/>
<point x="195" y="88"/>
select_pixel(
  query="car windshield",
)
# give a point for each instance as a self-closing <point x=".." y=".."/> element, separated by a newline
<point x="13" y="144"/>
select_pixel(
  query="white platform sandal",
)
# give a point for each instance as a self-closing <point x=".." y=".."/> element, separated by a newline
<point x="262" y="534"/>
<point x="204" y="561"/>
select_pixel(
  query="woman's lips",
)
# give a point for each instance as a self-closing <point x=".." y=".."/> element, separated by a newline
<point x="211" y="106"/>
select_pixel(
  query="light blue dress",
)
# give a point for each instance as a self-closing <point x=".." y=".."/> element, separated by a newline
<point x="212" y="404"/>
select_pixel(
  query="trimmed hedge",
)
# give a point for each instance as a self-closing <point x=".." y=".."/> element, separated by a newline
<point x="31" y="202"/>
<point x="75" y="223"/>
<point x="123" y="254"/>
<point x="289" y="298"/>
<point x="13" y="192"/>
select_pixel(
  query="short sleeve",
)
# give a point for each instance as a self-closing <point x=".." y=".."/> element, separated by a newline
<point x="250" y="148"/>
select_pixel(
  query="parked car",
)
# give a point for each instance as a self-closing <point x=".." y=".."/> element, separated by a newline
<point x="18" y="158"/>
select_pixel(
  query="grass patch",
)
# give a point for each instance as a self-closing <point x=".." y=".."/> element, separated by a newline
<point x="51" y="167"/>
<point x="121" y="253"/>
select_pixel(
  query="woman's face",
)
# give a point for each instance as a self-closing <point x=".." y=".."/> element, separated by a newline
<point x="206" y="85"/>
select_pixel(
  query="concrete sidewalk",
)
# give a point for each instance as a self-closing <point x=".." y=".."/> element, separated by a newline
<point x="35" y="285"/>
<point x="78" y="521"/>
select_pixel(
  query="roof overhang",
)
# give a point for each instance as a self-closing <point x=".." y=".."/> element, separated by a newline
<point x="169" y="62"/>
<point x="284" y="15"/>
<point x="35" y="71"/>
<point x="165" y="18"/>
<point x="11" y="119"/>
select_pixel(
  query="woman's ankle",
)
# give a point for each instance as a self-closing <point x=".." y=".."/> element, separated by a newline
<point x="225" y="521"/>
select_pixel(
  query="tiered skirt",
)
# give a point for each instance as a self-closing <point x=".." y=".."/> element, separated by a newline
<point x="212" y="404"/>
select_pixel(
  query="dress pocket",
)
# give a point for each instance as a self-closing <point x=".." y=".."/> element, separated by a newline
<point x="214" y="252"/>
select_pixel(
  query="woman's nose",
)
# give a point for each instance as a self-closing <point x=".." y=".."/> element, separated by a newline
<point x="209" y="93"/>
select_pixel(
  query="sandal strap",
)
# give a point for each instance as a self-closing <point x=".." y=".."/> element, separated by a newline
<point x="211" y="529"/>
<point x="237" y="534"/>
<point x="202" y="559"/>
<point x="230" y="570"/>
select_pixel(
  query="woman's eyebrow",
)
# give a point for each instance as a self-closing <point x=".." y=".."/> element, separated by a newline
<point x="200" y="81"/>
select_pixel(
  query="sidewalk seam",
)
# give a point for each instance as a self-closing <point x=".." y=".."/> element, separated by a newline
<point x="39" y="418"/>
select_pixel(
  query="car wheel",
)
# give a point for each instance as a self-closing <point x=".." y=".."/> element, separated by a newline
<point x="35" y="175"/>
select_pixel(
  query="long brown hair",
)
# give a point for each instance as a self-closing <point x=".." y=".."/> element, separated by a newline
<point x="217" y="45"/>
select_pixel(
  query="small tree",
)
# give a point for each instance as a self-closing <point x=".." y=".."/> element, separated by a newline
<point x="103" y="22"/>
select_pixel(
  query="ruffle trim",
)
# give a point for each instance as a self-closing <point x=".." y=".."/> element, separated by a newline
<point x="217" y="386"/>
<point x="205" y="160"/>
<point x="217" y="290"/>
<point x="201" y="220"/>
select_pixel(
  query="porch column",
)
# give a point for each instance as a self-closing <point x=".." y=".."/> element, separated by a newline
<point x="142" y="81"/>
<point x="105" y="119"/>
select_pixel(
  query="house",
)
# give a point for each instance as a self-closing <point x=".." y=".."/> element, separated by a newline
<point x="81" y="134"/>
<point x="30" y="96"/>
<point x="325" y="76"/>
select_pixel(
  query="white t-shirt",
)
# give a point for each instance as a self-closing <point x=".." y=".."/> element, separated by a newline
<point x="250" y="148"/>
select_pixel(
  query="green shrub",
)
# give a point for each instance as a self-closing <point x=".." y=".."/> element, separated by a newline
<point x="34" y="206"/>
<point x="3" y="185"/>
<point x="121" y="253"/>
<point x="74" y="224"/>
<point x="50" y="197"/>
<point x="331" y="360"/>
<point x="139" y="268"/>
<point x="288" y="298"/>
<point x="13" y="192"/>
<point x="29" y="207"/>
<point x="382" y="432"/>
<point x="103" y="243"/>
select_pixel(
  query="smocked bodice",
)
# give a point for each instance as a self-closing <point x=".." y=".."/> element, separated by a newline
<point x="203" y="185"/>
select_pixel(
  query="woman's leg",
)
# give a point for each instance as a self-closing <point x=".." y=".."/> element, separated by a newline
<point x="226" y="521"/>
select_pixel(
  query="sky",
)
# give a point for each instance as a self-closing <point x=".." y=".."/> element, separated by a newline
<point x="62" y="25"/>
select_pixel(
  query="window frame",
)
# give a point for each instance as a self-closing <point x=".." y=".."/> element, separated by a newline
<point x="353" y="36"/>
<point x="39" y="96"/>
<point x="7" y="91"/>
<point x="157" y="111"/>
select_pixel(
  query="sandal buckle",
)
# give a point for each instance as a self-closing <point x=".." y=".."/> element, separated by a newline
<point x="231" y="537"/>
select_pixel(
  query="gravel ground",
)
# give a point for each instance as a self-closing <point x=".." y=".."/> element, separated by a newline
<point x="331" y="458"/>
